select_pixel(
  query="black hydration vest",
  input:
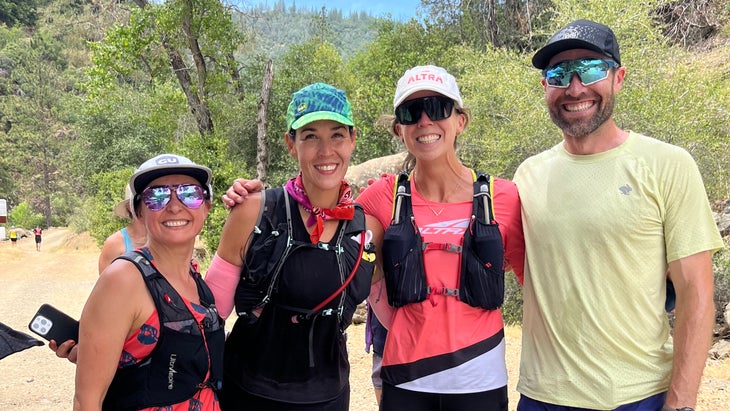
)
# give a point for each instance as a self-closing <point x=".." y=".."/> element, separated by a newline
<point x="481" y="276"/>
<point x="303" y="349"/>
<point x="177" y="367"/>
<point x="272" y="242"/>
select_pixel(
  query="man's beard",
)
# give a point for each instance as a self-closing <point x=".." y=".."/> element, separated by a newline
<point x="583" y="127"/>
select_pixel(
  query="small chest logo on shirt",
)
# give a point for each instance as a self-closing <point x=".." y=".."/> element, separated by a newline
<point x="625" y="189"/>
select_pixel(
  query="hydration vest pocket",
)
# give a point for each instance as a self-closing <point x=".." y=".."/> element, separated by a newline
<point x="403" y="265"/>
<point x="179" y="369"/>
<point x="261" y="260"/>
<point x="481" y="282"/>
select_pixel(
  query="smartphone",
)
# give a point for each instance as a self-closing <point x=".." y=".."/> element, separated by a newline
<point x="53" y="324"/>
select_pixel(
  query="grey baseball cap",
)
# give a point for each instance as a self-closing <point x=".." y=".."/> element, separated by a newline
<point x="167" y="164"/>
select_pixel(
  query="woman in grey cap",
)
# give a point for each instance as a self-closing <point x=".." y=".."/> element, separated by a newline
<point x="150" y="335"/>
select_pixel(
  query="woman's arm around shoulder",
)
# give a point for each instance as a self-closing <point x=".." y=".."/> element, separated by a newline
<point x="117" y="306"/>
<point x="224" y="271"/>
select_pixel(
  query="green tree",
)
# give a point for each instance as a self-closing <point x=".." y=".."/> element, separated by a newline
<point x="18" y="12"/>
<point x="38" y="136"/>
<point x="168" y="76"/>
<point x="23" y="216"/>
<point x="377" y="69"/>
<point x="482" y="23"/>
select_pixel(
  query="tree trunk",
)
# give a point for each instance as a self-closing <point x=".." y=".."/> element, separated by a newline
<point x="196" y="101"/>
<point x="262" y="157"/>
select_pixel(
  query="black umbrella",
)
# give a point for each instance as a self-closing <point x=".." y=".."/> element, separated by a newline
<point x="12" y="341"/>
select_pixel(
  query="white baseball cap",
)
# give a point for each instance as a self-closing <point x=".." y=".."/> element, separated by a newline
<point x="432" y="78"/>
<point x="167" y="164"/>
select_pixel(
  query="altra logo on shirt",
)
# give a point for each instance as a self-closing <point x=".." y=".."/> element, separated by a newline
<point x="446" y="227"/>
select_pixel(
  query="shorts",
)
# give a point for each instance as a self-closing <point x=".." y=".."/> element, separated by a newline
<point x="13" y="239"/>
<point x="397" y="399"/>
<point x="653" y="403"/>
<point x="37" y="239"/>
<point x="377" y="365"/>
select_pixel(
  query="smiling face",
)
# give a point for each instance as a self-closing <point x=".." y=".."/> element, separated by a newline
<point x="428" y="139"/>
<point x="323" y="149"/>
<point x="175" y="223"/>
<point x="579" y="110"/>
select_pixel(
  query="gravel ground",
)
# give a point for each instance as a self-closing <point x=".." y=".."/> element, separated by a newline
<point x="63" y="273"/>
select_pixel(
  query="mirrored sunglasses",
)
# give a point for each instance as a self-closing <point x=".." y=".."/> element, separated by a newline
<point x="436" y="108"/>
<point x="588" y="70"/>
<point x="157" y="197"/>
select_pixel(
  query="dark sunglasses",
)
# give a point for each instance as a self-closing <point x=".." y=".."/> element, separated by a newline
<point x="157" y="197"/>
<point x="588" y="70"/>
<point x="436" y="108"/>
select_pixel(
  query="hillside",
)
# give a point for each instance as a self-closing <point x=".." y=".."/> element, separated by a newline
<point x="273" y="30"/>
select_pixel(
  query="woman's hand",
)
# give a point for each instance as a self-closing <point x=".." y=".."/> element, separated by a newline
<point x="66" y="350"/>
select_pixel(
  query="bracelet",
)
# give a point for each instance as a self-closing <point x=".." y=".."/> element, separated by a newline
<point x="667" y="408"/>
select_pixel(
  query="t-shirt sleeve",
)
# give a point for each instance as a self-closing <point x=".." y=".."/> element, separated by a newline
<point x="377" y="199"/>
<point x="509" y="216"/>
<point x="689" y="226"/>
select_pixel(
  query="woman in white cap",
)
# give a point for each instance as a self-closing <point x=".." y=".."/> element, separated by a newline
<point x="150" y="334"/>
<point x="296" y="263"/>
<point x="449" y="234"/>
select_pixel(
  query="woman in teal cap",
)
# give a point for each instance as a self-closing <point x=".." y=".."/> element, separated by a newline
<point x="295" y="262"/>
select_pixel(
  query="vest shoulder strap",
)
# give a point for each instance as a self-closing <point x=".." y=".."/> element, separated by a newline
<point x="162" y="291"/>
<point x="482" y="207"/>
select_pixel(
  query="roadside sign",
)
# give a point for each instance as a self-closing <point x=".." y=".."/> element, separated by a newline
<point x="3" y="211"/>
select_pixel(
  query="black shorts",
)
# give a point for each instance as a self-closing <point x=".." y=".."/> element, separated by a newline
<point x="37" y="239"/>
<point x="233" y="398"/>
<point x="13" y="239"/>
<point x="396" y="399"/>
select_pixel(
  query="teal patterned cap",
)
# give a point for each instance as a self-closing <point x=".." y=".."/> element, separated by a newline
<point x="318" y="101"/>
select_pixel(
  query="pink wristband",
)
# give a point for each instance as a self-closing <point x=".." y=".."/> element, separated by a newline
<point x="222" y="279"/>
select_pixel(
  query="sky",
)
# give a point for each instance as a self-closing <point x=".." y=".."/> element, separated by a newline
<point x="399" y="9"/>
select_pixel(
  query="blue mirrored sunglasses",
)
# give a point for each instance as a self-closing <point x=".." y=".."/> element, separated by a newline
<point x="588" y="70"/>
<point x="157" y="197"/>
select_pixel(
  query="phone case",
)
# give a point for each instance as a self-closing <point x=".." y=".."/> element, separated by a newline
<point x="52" y="324"/>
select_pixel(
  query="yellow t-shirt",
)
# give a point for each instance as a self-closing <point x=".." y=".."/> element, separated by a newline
<point x="599" y="232"/>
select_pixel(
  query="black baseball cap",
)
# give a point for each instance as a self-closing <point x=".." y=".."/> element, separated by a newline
<point x="580" y="34"/>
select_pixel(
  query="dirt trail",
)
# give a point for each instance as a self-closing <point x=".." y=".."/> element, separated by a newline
<point x="63" y="273"/>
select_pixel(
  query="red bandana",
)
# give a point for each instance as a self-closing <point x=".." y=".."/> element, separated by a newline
<point x="344" y="210"/>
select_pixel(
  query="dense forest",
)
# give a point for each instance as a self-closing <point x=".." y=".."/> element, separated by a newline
<point x="91" y="88"/>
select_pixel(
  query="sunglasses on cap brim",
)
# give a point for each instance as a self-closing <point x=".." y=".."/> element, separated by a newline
<point x="436" y="108"/>
<point x="191" y="196"/>
<point x="589" y="71"/>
